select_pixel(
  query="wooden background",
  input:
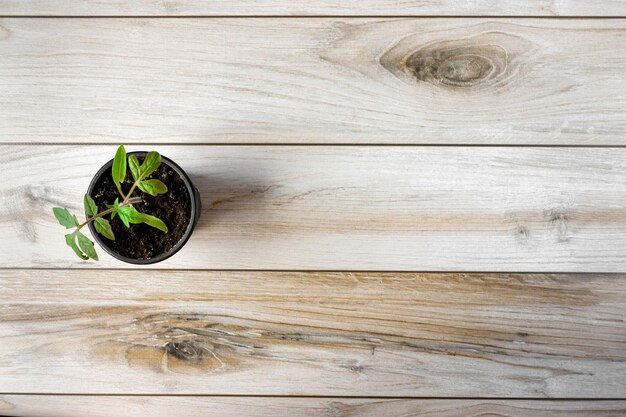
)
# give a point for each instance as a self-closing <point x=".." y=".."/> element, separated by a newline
<point x="410" y="208"/>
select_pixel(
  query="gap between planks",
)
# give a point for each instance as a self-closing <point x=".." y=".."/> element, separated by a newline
<point x="322" y="144"/>
<point x="295" y="396"/>
<point x="328" y="16"/>
<point x="306" y="271"/>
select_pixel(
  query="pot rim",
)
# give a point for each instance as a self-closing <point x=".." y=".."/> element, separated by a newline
<point x="195" y="204"/>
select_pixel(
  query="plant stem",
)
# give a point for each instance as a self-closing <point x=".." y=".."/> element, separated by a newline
<point x="127" y="201"/>
<point x="119" y="189"/>
<point x="130" y="192"/>
<point x="131" y="189"/>
<point x="131" y="201"/>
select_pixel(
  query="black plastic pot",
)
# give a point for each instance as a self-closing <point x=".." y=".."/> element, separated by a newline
<point x="196" y="208"/>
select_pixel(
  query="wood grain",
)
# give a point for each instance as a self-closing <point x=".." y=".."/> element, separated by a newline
<point x="287" y="333"/>
<point x="311" y="7"/>
<point x="349" y="208"/>
<point x="315" y="80"/>
<point x="136" y="406"/>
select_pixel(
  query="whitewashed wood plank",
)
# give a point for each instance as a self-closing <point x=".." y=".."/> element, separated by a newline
<point x="322" y="333"/>
<point x="420" y="81"/>
<point x="140" y="406"/>
<point x="311" y="7"/>
<point x="349" y="208"/>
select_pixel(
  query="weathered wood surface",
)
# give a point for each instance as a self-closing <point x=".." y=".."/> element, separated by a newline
<point x="288" y="333"/>
<point x="315" y="80"/>
<point x="349" y="208"/>
<point x="140" y="406"/>
<point x="311" y="8"/>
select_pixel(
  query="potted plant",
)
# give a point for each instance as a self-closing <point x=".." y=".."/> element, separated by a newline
<point x="141" y="208"/>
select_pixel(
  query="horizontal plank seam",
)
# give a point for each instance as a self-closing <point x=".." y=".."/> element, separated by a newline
<point x="551" y="399"/>
<point x="318" y="144"/>
<point x="369" y="271"/>
<point x="328" y="16"/>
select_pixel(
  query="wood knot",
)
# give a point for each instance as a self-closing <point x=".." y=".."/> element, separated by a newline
<point x="188" y="351"/>
<point x="559" y="218"/>
<point x="461" y="67"/>
<point x="478" y="62"/>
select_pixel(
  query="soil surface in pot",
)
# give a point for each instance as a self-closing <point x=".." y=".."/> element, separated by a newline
<point x="141" y="241"/>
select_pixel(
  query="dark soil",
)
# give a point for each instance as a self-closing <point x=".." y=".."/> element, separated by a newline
<point x="141" y="241"/>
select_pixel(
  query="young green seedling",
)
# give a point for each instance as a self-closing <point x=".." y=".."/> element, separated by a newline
<point x="124" y="209"/>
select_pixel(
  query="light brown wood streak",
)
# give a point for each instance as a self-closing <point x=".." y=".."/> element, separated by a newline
<point x="367" y="334"/>
<point x="94" y="406"/>
<point x="331" y="80"/>
<point x="311" y="7"/>
<point x="350" y="208"/>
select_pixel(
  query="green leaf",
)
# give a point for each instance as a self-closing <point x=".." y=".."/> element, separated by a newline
<point x="133" y="215"/>
<point x="150" y="163"/>
<point x="152" y="187"/>
<point x="115" y="206"/>
<point x="71" y="242"/>
<point x="64" y="217"/>
<point x="128" y="214"/>
<point x="90" y="205"/>
<point x="87" y="246"/>
<point x="125" y="213"/>
<point x="154" y="222"/>
<point x="119" y="166"/>
<point x="135" y="167"/>
<point x="104" y="228"/>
